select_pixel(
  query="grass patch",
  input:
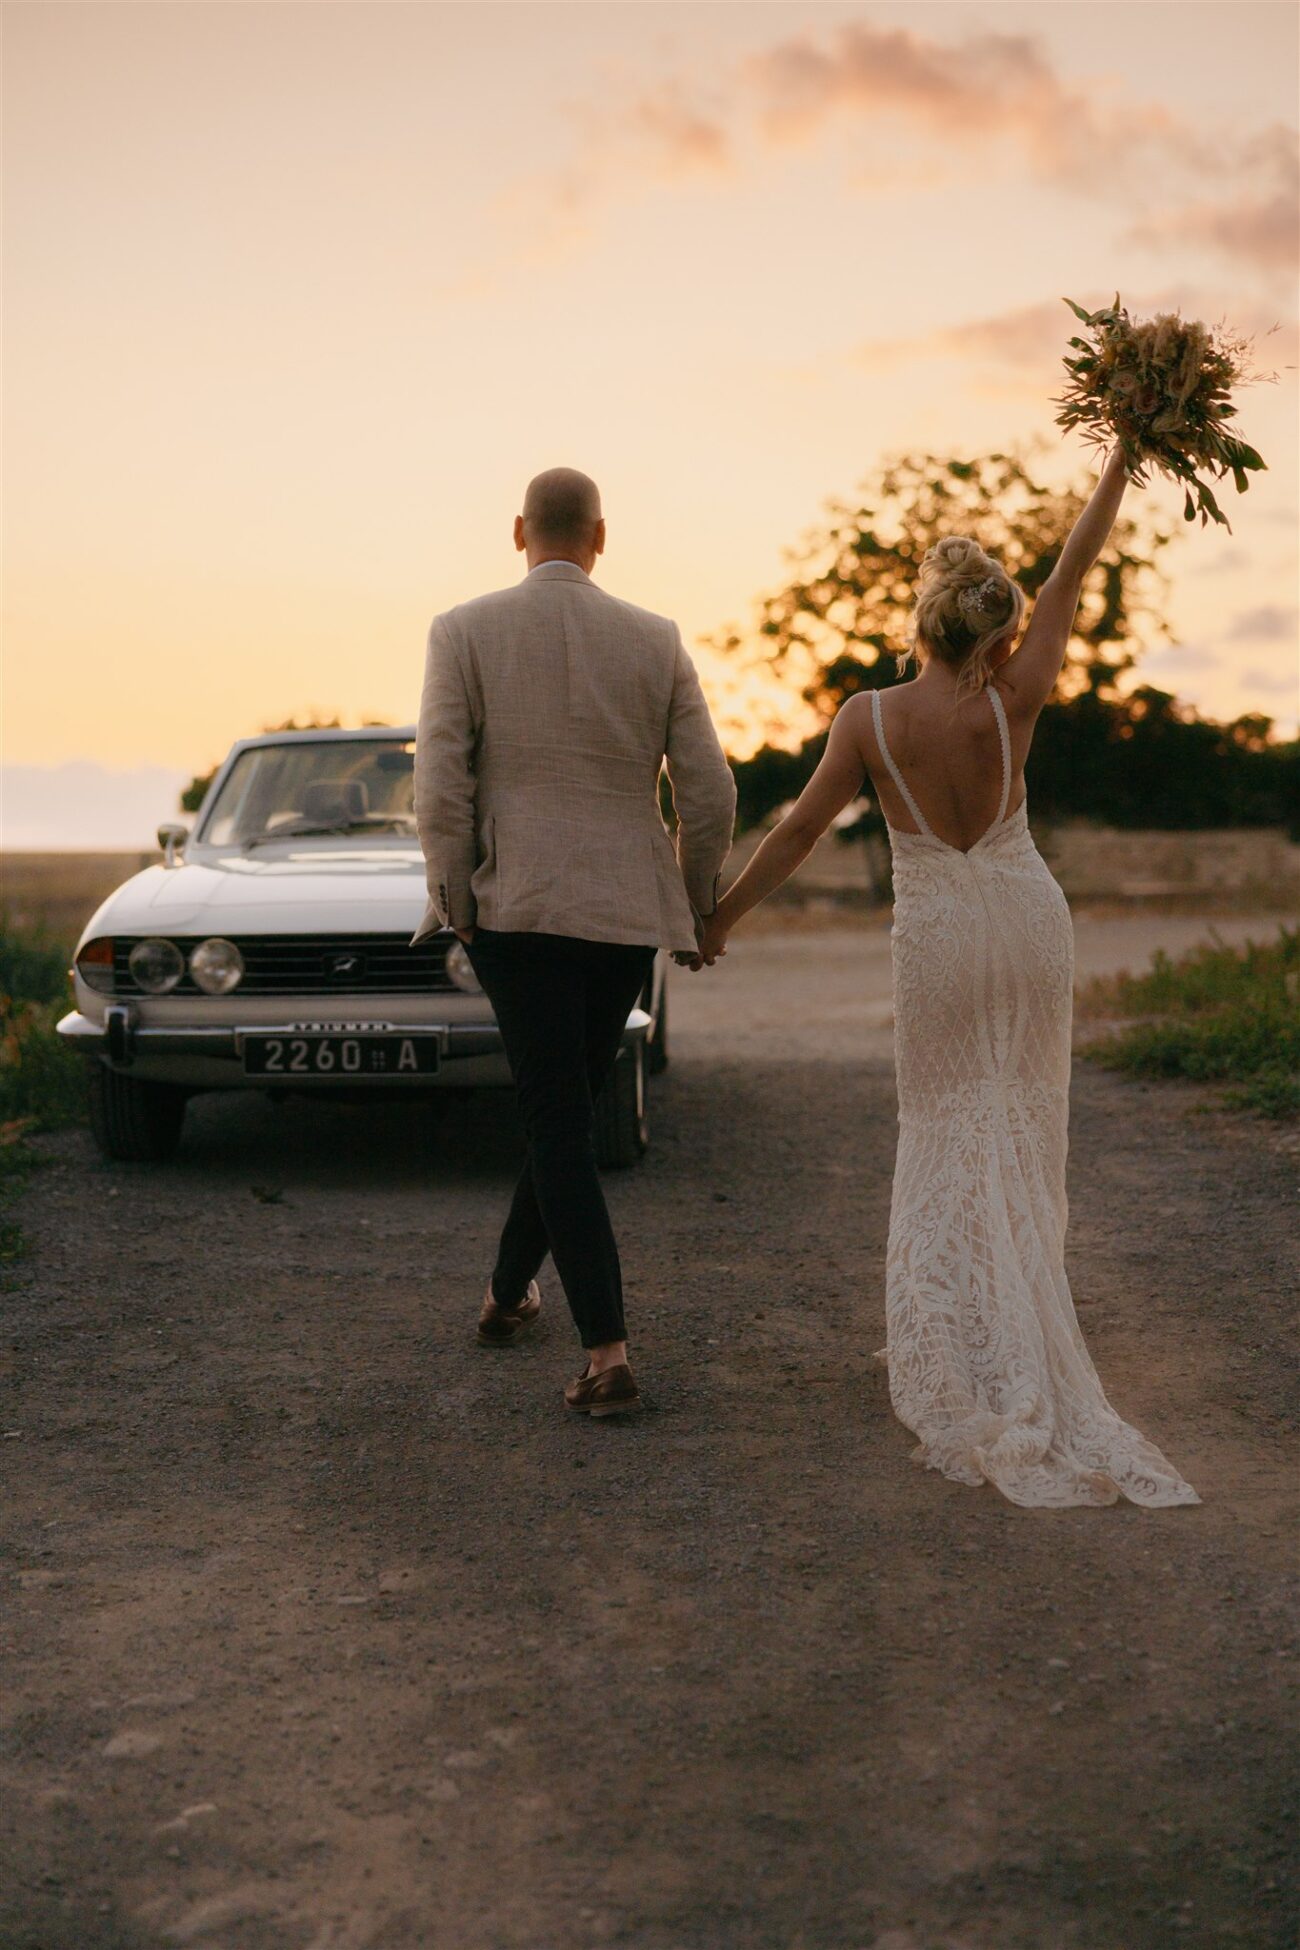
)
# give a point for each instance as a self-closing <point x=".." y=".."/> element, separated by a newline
<point x="12" y="1243"/>
<point x="1215" y="1015"/>
<point x="17" y="1159"/>
<point x="41" y="1080"/>
<point x="33" y="963"/>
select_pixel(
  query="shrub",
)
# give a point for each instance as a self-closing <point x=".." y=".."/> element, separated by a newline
<point x="1216" y="1015"/>
<point x="33" y="965"/>
<point x="40" y="1078"/>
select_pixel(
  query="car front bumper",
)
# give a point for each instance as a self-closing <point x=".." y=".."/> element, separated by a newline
<point x="209" y="1056"/>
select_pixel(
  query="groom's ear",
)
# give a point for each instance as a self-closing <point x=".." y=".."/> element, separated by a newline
<point x="598" y="539"/>
<point x="520" y="543"/>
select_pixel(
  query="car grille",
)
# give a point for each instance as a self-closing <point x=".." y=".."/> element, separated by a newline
<point x="294" y="964"/>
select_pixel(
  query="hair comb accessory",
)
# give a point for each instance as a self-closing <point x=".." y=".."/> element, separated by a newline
<point x="971" y="601"/>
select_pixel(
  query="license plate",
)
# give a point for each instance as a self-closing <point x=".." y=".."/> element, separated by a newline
<point x="340" y="1056"/>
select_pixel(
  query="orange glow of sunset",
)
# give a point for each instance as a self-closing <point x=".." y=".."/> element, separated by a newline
<point x="298" y="297"/>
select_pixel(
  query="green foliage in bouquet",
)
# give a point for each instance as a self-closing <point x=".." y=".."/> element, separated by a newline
<point x="1162" y="387"/>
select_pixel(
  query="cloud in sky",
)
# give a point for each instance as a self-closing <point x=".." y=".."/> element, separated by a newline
<point x="1177" y="658"/>
<point x="677" y="132"/>
<point x="983" y="83"/>
<point x="997" y="88"/>
<point x="1231" y="559"/>
<point x="992" y="95"/>
<point x="1258" y="225"/>
<point x="1269" y="623"/>
<point x="1027" y="334"/>
<point x="1272" y="683"/>
<point x="1177" y="662"/>
<point x="676" y="126"/>
<point x="624" y="132"/>
<point x="1028" y="341"/>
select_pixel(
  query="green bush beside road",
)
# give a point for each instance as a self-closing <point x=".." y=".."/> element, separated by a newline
<point x="41" y="1081"/>
<point x="1215" y="1015"/>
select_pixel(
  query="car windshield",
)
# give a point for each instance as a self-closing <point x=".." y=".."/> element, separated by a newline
<point x="325" y="786"/>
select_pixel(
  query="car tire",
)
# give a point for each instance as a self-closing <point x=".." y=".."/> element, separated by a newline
<point x="657" y="1055"/>
<point x="622" y="1119"/>
<point x="135" y="1122"/>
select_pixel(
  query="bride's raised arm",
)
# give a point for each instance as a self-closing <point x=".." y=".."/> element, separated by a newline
<point x="1030" y="674"/>
<point x="838" y="779"/>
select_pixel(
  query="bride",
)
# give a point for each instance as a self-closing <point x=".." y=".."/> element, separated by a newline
<point x="987" y="1365"/>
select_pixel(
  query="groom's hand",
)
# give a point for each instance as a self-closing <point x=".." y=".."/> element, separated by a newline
<point x="684" y="957"/>
<point x="710" y="943"/>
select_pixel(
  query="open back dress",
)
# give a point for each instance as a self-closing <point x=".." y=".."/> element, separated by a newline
<point x="987" y="1365"/>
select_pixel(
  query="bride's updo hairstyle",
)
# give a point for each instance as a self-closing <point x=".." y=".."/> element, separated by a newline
<point x="966" y="603"/>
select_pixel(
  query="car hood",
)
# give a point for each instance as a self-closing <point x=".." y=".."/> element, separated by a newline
<point x="321" y="888"/>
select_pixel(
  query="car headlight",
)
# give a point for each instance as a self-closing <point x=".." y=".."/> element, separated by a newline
<point x="217" y="966"/>
<point x="95" y="964"/>
<point x="156" y="966"/>
<point x="461" y="969"/>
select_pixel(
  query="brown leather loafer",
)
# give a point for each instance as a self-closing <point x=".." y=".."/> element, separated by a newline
<point x="612" y="1392"/>
<point x="501" y="1326"/>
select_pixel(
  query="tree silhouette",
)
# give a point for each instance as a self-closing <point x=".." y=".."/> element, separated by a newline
<point x="843" y="618"/>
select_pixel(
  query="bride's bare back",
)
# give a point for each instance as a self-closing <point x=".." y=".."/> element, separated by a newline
<point x="948" y="750"/>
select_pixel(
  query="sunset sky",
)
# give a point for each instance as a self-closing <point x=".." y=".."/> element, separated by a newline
<point x="297" y="297"/>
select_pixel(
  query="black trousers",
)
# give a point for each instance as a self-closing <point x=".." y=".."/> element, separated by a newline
<point x="562" y="1005"/>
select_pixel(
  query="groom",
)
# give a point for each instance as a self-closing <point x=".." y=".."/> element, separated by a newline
<point x="548" y="711"/>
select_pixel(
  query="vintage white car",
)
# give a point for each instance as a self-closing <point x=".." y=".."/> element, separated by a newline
<point x="271" y="951"/>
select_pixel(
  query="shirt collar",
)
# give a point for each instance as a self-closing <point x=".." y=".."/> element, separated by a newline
<point x="560" y="570"/>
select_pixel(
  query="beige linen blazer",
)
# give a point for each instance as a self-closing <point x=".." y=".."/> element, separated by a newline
<point x="548" y="711"/>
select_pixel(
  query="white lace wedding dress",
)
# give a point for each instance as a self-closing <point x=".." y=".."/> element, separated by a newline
<point x="987" y="1365"/>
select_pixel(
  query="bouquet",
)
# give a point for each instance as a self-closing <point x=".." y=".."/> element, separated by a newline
<point x="1161" y="387"/>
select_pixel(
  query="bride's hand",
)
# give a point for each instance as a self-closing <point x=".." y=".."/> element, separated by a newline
<point x="713" y="939"/>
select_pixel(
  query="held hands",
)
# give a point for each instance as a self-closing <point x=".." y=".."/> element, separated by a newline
<point x="711" y="941"/>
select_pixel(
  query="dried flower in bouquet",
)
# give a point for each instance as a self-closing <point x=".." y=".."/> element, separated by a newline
<point x="1162" y="387"/>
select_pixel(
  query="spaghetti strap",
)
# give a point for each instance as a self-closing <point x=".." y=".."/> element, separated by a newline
<point x="1004" y="738"/>
<point x="893" y="770"/>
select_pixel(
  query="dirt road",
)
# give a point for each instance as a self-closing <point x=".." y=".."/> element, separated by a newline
<point x="324" y="1630"/>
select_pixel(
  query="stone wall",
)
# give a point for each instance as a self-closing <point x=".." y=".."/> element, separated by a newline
<point x="1247" y="865"/>
<point x="1097" y="862"/>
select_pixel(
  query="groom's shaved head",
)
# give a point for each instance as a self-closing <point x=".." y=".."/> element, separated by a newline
<point x="561" y="508"/>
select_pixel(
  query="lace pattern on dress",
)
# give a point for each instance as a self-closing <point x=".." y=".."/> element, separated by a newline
<point x="987" y="1364"/>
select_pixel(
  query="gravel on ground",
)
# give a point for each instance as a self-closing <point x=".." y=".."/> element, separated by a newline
<point x="325" y="1630"/>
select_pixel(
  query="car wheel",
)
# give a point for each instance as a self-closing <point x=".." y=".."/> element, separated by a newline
<point x="622" y="1122"/>
<point x="140" y="1123"/>
<point x="658" y="1051"/>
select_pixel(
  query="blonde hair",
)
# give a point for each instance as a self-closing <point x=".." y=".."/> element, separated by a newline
<point x="965" y="604"/>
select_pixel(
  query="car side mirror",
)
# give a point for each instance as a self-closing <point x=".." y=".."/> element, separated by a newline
<point x="172" y="836"/>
